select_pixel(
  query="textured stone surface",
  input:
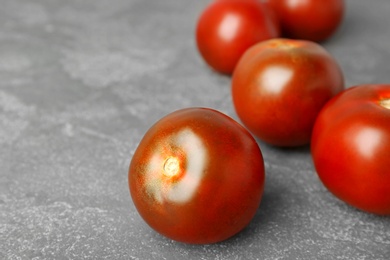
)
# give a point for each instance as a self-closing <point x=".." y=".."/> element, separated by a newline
<point x="81" y="81"/>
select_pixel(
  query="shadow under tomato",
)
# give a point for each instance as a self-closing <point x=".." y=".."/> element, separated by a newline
<point x="266" y="146"/>
<point x="266" y="213"/>
<point x="277" y="194"/>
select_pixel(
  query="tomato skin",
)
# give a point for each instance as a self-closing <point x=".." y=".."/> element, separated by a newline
<point x="219" y="178"/>
<point x="309" y="19"/>
<point x="280" y="85"/>
<point x="351" y="147"/>
<point x="226" y="28"/>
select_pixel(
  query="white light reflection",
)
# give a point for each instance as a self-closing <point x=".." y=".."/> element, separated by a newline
<point x="295" y="3"/>
<point x="182" y="190"/>
<point x="228" y="27"/>
<point x="193" y="147"/>
<point x="275" y="78"/>
<point x="367" y="141"/>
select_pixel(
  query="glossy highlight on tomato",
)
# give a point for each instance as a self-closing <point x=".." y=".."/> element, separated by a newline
<point x="351" y="147"/>
<point x="314" y="20"/>
<point x="197" y="176"/>
<point x="227" y="28"/>
<point x="280" y="85"/>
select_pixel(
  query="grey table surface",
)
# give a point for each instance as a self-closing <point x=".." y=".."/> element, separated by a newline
<point x="81" y="82"/>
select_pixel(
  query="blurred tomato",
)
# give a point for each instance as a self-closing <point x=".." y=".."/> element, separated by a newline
<point x="351" y="147"/>
<point x="280" y="85"/>
<point x="314" y="20"/>
<point x="227" y="28"/>
<point x="197" y="176"/>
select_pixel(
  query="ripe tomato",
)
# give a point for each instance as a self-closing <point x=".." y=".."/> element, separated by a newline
<point x="314" y="20"/>
<point x="351" y="147"/>
<point x="227" y="28"/>
<point x="280" y="85"/>
<point x="197" y="176"/>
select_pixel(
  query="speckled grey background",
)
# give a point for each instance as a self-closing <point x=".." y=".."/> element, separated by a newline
<point x="80" y="83"/>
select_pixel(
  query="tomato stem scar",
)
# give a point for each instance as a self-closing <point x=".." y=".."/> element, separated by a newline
<point x="385" y="103"/>
<point x="171" y="167"/>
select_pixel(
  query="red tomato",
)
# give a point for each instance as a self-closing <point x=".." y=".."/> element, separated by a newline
<point x="197" y="176"/>
<point x="314" y="20"/>
<point x="351" y="147"/>
<point x="280" y="85"/>
<point x="227" y="28"/>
